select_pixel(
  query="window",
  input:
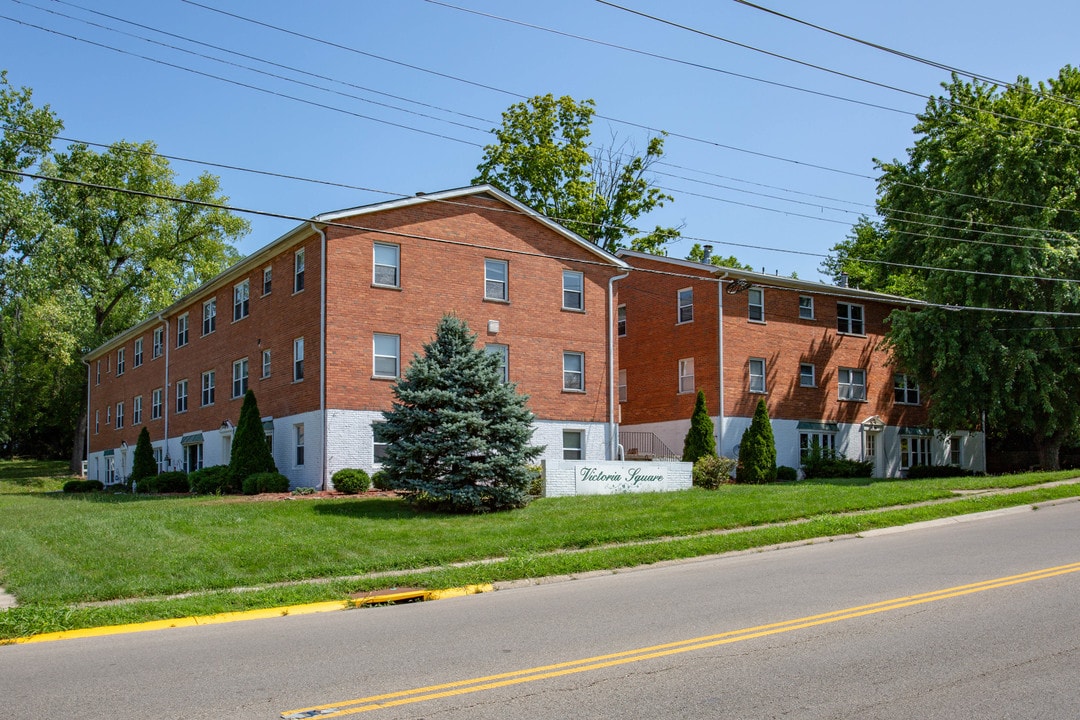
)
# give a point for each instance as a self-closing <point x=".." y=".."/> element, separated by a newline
<point x="905" y="389"/>
<point x="298" y="359"/>
<point x="955" y="453"/>
<point x="239" y="378"/>
<point x="299" y="445"/>
<point x="849" y="319"/>
<point x="120" y="361"/>
<point x="269" y="434"/>
<point x="136" y="361"/>
<point x="209" y="316"/>
<point x="495" y="279"/>
<point x="852" y="384"/>
<point x="824" y="440"/>
<point x="622" y="386"/>
<point x="573" y="290"/>
<point x="914" y="451"/>
<point x="159" y="342"/>
<point x="806" y="307"/>
<point x="755" y="301"/>
<point x="266" y="363"/>
<point x="622" y="320"/>
<point x="686" y="305"/>
<point x="159" y="460"/>
<point x="757" y="375"/>
<point x="387" y="265"/>
<point x="97" y="380"/>
<point x="208" y="388"/>
<point x="571" y="445"/>
<point x="97" y="421"/>
<point x="503" y="353"/>
<point x="298" y="270"/>
<point x="573" y="364"/>
<point x="182" y="330"/>
<point x="268" y="280"/>
<point x="110" y="470"/>
<point x="181" y="396"/>
<point x="240" y="302"/>
<point x="155" y="404"/>
<point x="379" y="444"/>
<point x="387" y="353"/>
<point x="806" y="375"/>
<point x="136" y="410"/>
<point x="108" y="415"/>
<point x="870" y="446"/>
<point x="193" y="457"/>
<point x="686" y="375"/>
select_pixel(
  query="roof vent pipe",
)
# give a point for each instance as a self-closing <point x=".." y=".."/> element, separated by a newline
<point x="707" y="256"/>
<point x="843" y="280"/>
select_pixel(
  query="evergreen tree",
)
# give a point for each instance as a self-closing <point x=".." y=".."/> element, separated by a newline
<point x="757" y="450"/>
<point x="250" y="453"/>
<point x="699" y="439"/>
<point x="457" y="436"/>
<point x="143" y="465"/>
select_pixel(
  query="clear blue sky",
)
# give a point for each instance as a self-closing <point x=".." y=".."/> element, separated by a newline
<point x="776" y="214"/>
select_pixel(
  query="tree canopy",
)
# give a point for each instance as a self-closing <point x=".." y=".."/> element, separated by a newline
<point x="984" y="217"/>
<point x="544" y="158"/>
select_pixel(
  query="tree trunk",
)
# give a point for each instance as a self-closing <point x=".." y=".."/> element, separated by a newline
<point x="78" y="443"/>
<point x="1049" y="451"/>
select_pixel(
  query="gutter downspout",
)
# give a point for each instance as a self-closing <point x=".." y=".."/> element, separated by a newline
<point x="165" y="390"/>
<point x="86" y="452"/>
<point x="613" y="440"/>
<point x="720" y="358"/>
<point x="322" y="356"/>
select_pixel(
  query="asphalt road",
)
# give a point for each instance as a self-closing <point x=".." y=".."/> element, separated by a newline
<point x="976" y="619"/>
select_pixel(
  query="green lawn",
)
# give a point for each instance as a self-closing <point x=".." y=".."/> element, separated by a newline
<point x="57" y="550"/>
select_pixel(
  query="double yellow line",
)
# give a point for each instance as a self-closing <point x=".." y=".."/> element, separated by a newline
<point x="599" y="662"/>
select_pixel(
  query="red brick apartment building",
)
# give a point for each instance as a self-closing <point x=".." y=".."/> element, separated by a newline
<point x="812" y="351"/>
<point x="320" y="322"/>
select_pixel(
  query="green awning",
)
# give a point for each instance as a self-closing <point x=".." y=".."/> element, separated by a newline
<point x="916" y="431"/>
<point x="268" y="426"/>
<point x="109" y="453"/>
<point x="819" y="426"/>
<point x="192" y="439"/>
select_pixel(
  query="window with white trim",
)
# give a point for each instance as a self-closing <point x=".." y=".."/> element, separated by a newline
<point x="914" y="450"/>
<point x="156" y="397"/>
<point x="159" y="460"/>
<point x="806" y="307"/>
<point x="298" y="271"/>
<point x="181" y="396"/>
<point x="193" y="457"/>
<point x="266" y="363"/>
<point x="208" y="378"/>
<point x="686" y="375"/>
<point x="573" y="446"/>
<point x="807" y="375"/>
<point x="849" y="319"/>
<point x="387" y="355"/>
<point x="268" y="279"/>
<point x="241" y="300"/>
<point x="298" y="360"/>
<point x="387" y="265"/>
<point x="621" y="312"/>
<point x="378" y="443"/>
<point x="97" y="421"/>
<point x="137" y="359"/>
<point x="496" y="274"/>
<point x="182" y="330"/>
<point x="239" y="378"/>
<point x="209" y="316"/>
<point x="686" y="305"/>
<point x="119" y="415"/>
<point x="159" y="342"/>
<point x="824" y="440"/>
<point x="503" y="353"/>
<point x="757" y="375"/>
<point x="851" y="383"/>
<point x="622" y="385"/>
<point x="573" y="290"/>
<point x="120" y="361"/>
<point x="136" y="410"/>
<point x="905" y="389"/>
<point x="870" y="445"/>
<point x="108" y="415"/>
<point x="97" y="380"/>
<point x="573" y="371"/>
<point x="956" y="456"/>
<point x="299" y="434"/>
<point x="755" y="302"/>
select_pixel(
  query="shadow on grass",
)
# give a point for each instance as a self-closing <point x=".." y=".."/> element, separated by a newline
<point x="367" y="509"/>
<point x="20" y="471"/>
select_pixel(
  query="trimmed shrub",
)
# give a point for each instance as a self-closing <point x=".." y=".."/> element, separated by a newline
<point x="757" y="449"/>
<point x="173" y="481"/>
<point x="351" y="481"/>
<point x="918" y="472"/>
<point x="712" y="471"/>
<point x="213" y="480"/>
<point x="83" y="486"/>
<point x="785" y="473"/>
<point x="381" y="481"/>
<point x="826" y="463"/>
<point x="266" y="482"/>
<point x="536" y="485"/>
<point x="143" y="465"/>
<point x="700" y="440"/>
<point x="250" y="453"/>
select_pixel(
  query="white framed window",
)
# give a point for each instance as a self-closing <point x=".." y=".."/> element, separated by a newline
<point x="806" y="307"/>
<point x="268" y="279"/>
<point x="181" y="396"/>
<point x="573" y="364"/>
<point x="120" y="361"/>
<point x="298" y="360"/>
<point x="686" y="305"/>
<point x="378" y="443"/>
<point x="757" y="375"/>
<point x="159" y="460"/>
<point x="298" y="271"/>
<point x="914" y="450"/>
<point x="137" y="359"/>
<point x="97" y="380"/>
<point x="159" y="342"/>
<point x="209" y="316"/>
<point x="97" y="421"/>
<point x="622" y="385"/>
<point x="110" y="470"/>
<point x="136" y="410"/>
<point x="239" y="378"/>
<point x="108" y="415"/>
<point x="299" y="433"/>
<point x="503" y="353"/>
<point x="496" y="277"/>
<point x="905" y="389"/>
<point x="387" y="355"/>
<point x="241" y="305"/>
<point x="193" y="457"/>
<point x="573" y="445"/>
<point x="852" y="384"/>
<point x="686" y="375"/>
<point x="266" y="363"/>
<point x="573" y="290"/>
<point x="807" y="375"/>
<point x="870" y="445"/>
<point x="849" y="319"/>
<point x="387" y="265"/>
<point x="621" y="320"/>
<point x="755" y="303"/>
<point x="956" y="455"/>
<point x="208" y="381"/>
<point x="156" y="397"/>
<point x="182" y="330"/>
<point x="824" y="440"/>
